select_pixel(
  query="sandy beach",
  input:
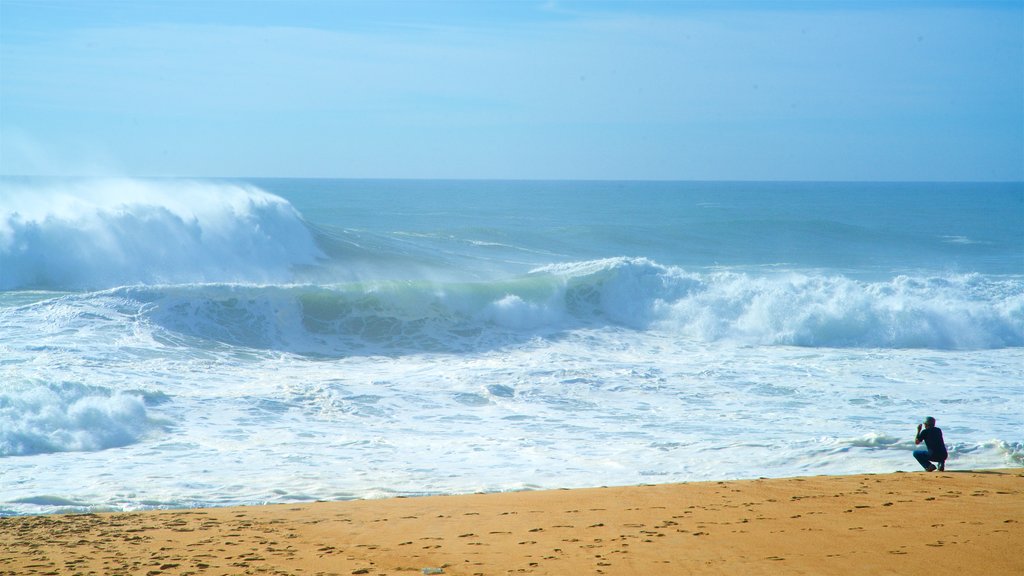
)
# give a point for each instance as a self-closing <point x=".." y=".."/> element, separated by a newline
<point x="963" y="522"/>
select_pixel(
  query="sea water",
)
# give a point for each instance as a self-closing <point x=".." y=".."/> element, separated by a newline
<point x="178" y="343"/>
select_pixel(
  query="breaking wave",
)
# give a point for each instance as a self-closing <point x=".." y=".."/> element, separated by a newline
<point x="94" y="234"/>
<point x="955" y="312"/>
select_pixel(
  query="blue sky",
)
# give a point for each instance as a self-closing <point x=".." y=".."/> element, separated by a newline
<point x="709" y="90"/>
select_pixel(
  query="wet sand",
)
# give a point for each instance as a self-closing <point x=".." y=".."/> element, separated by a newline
<point x="963" y="522"/>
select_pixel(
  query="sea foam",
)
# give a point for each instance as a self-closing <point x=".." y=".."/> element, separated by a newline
<point x="89" y="234"/>
<point x="69" y="417"/>
<point x="965" y="312"/>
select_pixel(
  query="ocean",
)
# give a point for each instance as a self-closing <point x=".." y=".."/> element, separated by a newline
<point x="170" y="343"/>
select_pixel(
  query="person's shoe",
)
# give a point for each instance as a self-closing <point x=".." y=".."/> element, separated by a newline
<point x="930" y="468"/>
<point x="942" y="466"/>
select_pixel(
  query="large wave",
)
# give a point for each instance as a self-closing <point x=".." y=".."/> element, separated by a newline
<point x="102" y="233"/>
<point x="793" y="309"/>
<point x="801" y="309"/>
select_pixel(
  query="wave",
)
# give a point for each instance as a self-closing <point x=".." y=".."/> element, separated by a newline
<point x="948" y="313"/>
<point x="70" y="417"/>
<point x="962" y="455"/>
<point x="102" y="233"/>
<point x="968" y="311"/>
<point x="800" y="309"/>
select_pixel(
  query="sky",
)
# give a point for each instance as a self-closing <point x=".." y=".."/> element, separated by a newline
<point x="686" y="90"/>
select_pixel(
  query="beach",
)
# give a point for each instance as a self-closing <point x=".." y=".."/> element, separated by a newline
<point x="394" y="288"/>
<point x="333" y="377"/>
<point x="954" y="522"/>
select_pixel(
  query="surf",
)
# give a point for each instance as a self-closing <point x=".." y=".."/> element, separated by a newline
<point x="421" y="341"/>
<point x="955" y="312"/>
<point x="41" y="418"/>
<point x="102" y="233"/>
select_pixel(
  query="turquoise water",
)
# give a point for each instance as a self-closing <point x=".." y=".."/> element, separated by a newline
<point x="168" y="343"/>
<point x="860" y="228"/>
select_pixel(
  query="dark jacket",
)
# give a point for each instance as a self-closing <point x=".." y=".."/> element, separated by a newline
<point x="932" y="438"/>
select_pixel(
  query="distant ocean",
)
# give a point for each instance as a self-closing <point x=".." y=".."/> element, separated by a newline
<point x="179" y="343"/>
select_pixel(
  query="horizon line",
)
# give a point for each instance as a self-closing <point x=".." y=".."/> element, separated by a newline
<point x="503" y="179"/>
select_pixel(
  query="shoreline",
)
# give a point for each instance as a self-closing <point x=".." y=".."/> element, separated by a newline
<point x="953" y="522"/>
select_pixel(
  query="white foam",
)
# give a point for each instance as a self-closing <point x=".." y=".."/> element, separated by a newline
<point x="512" y="311"/>
<point x="952" y="312"/>
<point x="597" y="405"/>
<point x="69" y="418"/>
<point x="811" y="311"/>
<point x="109" y="232"/>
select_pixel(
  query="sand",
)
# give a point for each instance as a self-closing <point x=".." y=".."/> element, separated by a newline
<point x="901" y="523"/>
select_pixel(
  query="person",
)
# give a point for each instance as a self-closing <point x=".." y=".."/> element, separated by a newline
<point x="935" y="446"/>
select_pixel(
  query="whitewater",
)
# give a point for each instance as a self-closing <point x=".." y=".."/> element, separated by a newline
<point x="169" y="343"/>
